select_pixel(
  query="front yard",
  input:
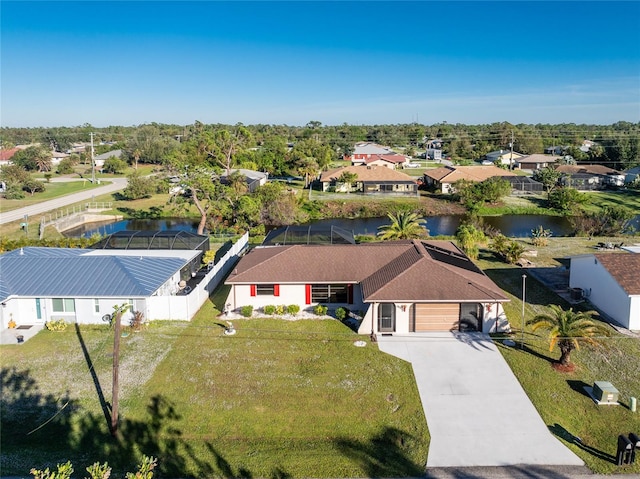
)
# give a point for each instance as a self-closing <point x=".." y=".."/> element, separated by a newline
<point x="277" y="399"/>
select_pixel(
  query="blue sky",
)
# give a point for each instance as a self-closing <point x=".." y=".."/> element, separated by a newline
<point x="128" y="63"/>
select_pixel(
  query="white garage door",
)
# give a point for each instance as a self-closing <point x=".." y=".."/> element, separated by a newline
<point x="436" y="317"/>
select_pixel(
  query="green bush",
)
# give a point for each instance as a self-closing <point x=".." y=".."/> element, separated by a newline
<point x="246" y="311"/>
<point x="342" y="313"/>
<point x="269" y="309"/>
<point x="320" y="310"/>
<point x="56" y="325"/>
<point x="293" y="309"/>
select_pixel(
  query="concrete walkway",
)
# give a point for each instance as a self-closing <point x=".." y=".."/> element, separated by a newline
<point x="117" y="184"/>
<point x="476" y="410"/>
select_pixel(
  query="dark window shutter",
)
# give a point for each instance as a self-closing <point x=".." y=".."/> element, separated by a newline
<point x="350" y="293"/>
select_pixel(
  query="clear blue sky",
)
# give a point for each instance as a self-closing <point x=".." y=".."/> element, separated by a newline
<point x="128" y="63"/>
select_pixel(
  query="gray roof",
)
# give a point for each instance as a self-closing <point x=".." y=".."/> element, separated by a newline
<point x="109" y="154"/>
<point x="65" y="272"/>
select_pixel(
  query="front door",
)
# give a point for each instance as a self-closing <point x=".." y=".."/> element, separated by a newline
<point x="386" y="317"/>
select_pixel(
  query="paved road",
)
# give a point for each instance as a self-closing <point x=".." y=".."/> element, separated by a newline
<point x="476" y="410"/>
<point x="56" y="203"/>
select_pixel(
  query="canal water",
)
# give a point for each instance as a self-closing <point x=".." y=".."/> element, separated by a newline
<point x="510" y="225"/>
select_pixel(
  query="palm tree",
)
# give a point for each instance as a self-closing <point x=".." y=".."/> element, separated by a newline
<point x="404" y="225"/>
<point x="469" y="237"/>
<point x="567" y="329"/>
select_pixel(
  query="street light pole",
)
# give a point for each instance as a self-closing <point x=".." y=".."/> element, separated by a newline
<point x="524" y="279"/>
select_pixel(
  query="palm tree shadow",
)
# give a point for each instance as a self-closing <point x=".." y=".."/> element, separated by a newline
<point x="562" y="433"/>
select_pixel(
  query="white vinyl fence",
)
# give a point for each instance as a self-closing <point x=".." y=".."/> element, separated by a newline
<point x="185" y="307"/>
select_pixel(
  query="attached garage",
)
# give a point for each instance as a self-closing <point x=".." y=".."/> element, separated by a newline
<point x="436" y="317"/>
<point x="446" y="317"/>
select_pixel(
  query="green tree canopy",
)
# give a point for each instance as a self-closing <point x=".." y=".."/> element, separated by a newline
<point x="404" y="225"/>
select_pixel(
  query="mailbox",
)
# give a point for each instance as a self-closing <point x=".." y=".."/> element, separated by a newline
<point x="635" y="443"/>
<point x="625" y="448"/>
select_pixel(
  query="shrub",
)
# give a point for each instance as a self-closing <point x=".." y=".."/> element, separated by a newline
<point x="137" y="320"/>
<point x="320" y="310"/>
<point x="56" y="325"/>
<point x="269" y="309"/>
<point x="280" y="309"/>
<point x="342" y="313"/>
<point x="540" y="236"/>
<point x="246" y="311"/>
<point x="293" y="309"/>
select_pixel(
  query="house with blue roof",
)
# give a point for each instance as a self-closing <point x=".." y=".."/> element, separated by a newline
<point x="82" y="285"/>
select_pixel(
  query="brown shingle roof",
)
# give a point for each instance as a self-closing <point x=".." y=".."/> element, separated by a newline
<point x="590" y="169"/>
<point x="625" y="269"/>
<point x="390" y="271"/>
<point x="451" y="174"/>
<point x="368" y="173"/>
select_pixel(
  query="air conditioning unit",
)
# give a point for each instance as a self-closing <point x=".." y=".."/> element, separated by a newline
<point x="576" y="294"/>
<point x="604" y="392"/>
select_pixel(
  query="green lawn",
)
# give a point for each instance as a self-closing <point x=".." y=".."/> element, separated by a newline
<point x="559" y="397"/>
<point x="627" y="198"/>
<point x="278" y="399"/>
<point x="53" y="190"/>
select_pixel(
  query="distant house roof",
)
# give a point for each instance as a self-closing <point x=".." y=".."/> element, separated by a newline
<point x="494" y="155"/>
<point x="536" y="159"/>
<point x="451" y="174"/>
<point x="407" y="270"/>
<point x="109" y="154"/>
<point x="396" y="159"/>
<point x="6" y="155"/>
<point x="587" y="169"/>
<point x="250" y="174"/>
<point x="624" y="269"/>
<point x="366" y="174"/>
<point x="68" y="272"/>
<point x="57" y="154"/>
<point x="367" y="148"/>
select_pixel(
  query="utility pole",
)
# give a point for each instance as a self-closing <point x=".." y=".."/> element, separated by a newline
<point x="93" y="164"/>
<point x="511" y="158"/>
<point x="118" y="311"/>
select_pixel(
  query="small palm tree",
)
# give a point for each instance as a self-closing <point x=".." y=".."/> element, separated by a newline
<point x="567" y="329"/>
<point x="404" y="225"/>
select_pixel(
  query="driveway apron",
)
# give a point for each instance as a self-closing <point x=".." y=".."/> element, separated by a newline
<point x="476" y="410"/>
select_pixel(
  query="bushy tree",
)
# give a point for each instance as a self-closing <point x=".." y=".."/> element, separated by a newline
<point x="566" y="199"/>
<point x="474" y="194"/>
<point x="469" y="237"/>
<point x="510" y="250"/>
<point x="33" y="186"/>
<point x="139" y="187"/>
<point x="65" y="167"/>
<point x="33" y="158"/>
<point x="114" y="165"/>
<point x="548" y="176"/>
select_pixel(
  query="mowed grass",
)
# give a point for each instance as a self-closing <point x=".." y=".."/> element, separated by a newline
<point x="53" y="190"/>
<point x="277" y="399"/>
<point x="559" y="397"/>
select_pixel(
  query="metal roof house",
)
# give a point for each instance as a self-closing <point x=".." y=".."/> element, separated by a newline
<point x="80" y="285"/>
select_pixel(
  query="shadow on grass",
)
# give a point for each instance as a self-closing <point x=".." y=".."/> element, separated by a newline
<point x="38" y="429"/>
<point x="383" y="455"/>
<point x="578" y="386"/>
<point x="510" y="280"/>
<point x="562" y="433"/>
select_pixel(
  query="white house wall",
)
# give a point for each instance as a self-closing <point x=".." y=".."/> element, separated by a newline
<point x="634" y="315"/>
<point x="603" y="291"/>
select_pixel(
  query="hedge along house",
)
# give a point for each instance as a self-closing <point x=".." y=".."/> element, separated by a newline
<point x="81" y="286"/>
<point x="396" y="287"/>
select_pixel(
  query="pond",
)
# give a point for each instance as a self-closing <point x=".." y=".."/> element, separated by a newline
<point x="510" y="225"/>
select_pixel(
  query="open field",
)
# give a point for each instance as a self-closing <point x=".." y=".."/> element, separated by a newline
<point x="559" y="397"/>
<point x="54" y="190"/>
<point x="278" y="399"/>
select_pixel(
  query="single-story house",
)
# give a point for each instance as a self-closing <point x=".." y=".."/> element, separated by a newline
<point x="611" y="282"/>
<point x="443" y="178"/>
<point x="388" y="161"/>
<point x="589" y="177"/>
<point x="631" y="174"/>
<point x="555" y="150"/>
<point x="57" y="157"/>
<point x="100" y="159"/>
<point x="82" y="285"/>
<point x="395" y="287"/>
<point x="502" y="157"/>
<point x="535" y="161"/>
<point x="254" y="178"/>
<point x="365" y="149"/>
<point x="370" y="179"/>
<point x="6" y="155"/>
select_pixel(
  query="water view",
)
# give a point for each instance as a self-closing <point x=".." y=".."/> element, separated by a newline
<point x="510" y="225"/>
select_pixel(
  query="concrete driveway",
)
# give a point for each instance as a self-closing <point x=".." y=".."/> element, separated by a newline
<point x="476" y="410"/>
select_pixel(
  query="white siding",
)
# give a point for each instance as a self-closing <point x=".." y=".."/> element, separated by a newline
<point x="603" y="291"/>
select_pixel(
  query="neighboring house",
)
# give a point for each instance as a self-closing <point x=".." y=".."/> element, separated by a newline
<point x="57" y="157"/>
<point x="586" y="146"/>
<point x="502" y="157"/>
<point x="6" y="155"/>
<point x="589" y="177"/>
<point x="254" y="178"/>
<point x="631" y="174"/>
<point x="555" y="150"/>
<point x="364" y="150"/>
<point x="610" y="281"/>
<point x="443" y="178"/>
<point x="100" y="159"/>
<point x="433" y="149"/>
<point x="82" y="285"/>
<point x="389" y="161"/>
<point x="396" y="287"/>
<point x="535" y="161"/>
<point x="370" y="179"/>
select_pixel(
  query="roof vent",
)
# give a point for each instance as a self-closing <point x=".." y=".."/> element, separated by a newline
<point x="21" y="252"/>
